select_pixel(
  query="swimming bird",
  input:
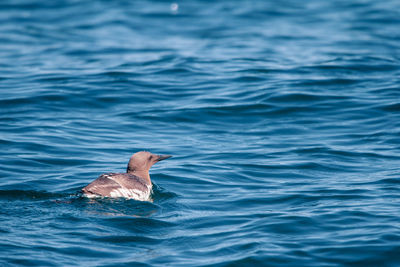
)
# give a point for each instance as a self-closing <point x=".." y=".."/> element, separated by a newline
<point x="134" y="184"/>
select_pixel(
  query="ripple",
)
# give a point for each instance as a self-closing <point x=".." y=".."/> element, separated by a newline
<point x="28" y="195"/>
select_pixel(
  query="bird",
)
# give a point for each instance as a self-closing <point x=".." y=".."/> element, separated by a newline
<point x="134" y="184"/>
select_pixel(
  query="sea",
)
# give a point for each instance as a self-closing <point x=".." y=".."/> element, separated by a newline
<point x="282" y="117"/>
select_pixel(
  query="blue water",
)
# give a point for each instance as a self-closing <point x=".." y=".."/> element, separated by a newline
<point x="283" y="118"/>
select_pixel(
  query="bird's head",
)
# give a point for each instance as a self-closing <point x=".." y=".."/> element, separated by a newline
<point x="143" y="160"/>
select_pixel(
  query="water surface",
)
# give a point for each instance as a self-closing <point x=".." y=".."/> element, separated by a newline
<point x="283" y="118"/>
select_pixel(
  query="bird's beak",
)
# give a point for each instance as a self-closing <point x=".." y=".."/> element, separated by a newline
<point x="162" y="157"/>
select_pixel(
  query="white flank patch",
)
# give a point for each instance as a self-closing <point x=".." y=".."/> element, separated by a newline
<point x="131" y="194"/>
<point x="91" y="195"/>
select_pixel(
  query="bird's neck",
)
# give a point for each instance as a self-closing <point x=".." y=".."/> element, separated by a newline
<point x="142" y="174"/>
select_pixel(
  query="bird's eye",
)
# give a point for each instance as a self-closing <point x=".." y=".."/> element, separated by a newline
<point x="150" y="157"/>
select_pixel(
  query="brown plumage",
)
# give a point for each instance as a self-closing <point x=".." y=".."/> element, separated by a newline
<point x="134" y="184"/>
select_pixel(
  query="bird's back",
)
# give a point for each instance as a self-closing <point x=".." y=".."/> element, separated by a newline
<point x="118" y="185"/>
